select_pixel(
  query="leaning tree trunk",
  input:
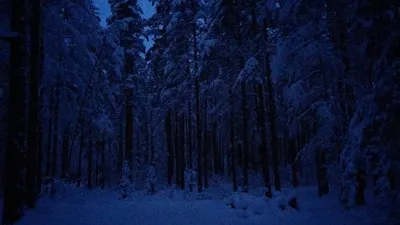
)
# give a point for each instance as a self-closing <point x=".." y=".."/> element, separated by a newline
<point x="14" y="158"/>
<point x="33" y="123"/>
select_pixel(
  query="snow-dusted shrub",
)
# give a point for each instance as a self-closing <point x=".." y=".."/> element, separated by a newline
<point x="247" y="202"/>
<point x="234" y="201"/>
<point x="53" y="187"/>
<point x="125" y="186"/>
<point x="151" y="179"/>
<point x="205" y="196"/>
<point x="190" y="179"/>
<point x="281" y="202"/>
<point x="218" y="189"/>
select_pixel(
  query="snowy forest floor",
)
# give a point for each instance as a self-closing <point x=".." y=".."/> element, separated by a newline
<point x="175" y="207"/>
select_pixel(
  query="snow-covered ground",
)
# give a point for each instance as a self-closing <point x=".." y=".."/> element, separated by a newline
<point x="174" y="207"/>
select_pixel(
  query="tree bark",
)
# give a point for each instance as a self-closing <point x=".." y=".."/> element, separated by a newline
<point x="33" y="124"/>
<point x="323" y="186"/>
<point x="232" y="141"/>
<point x="129" y="129"/>
<point x="182" y="151"/>
<point x="216" y="153"/>
<point x="206" y="143"/>
<point x="190" y="160"/>
<point x="245" y="145"/>
<point x="272" y="120"/>
<point x="263" y="147"/>
<point x="103" y="162"/>
<point x="81" y="149"/>
<point x="198" y="112"/>
<point x="49" y="134"/>
<point x="90" y="158"/>
<point x="55" y="129"/>
<point x="169" y="147"/>
<point x="15" y="148"/>
<point x="177" y="149"/>
<point x="64" y="153"/>
<point x="121" y="148"/>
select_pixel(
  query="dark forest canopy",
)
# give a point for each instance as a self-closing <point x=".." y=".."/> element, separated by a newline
<point x="232" y="89"/>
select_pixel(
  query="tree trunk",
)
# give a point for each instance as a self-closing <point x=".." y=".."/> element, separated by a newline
<point x="147" y="153"/>
<point x="232" y="141"/>
<point x="198" y="112"/>
<point x="55" y="131"/>
<point x="206" y="144"/>
<point x="89" y="158"/>
<point x="103" y="162"/>
<point x="121" y="149"/>
<point x="177" y="150"/>
<point x="152" y="150"/>
<point x="40" y="131"/>
<point x="49" y="134"/>
<point x="323" y="186"/>
<point x="14" y="157"/>
<point x="293" y="156"/>
<point x="190" y="160"/>
<point x="182" y="151"/>
<point x="81" y="149"/>
<point x="245" y="146"/>
<point x="169" y="147"/>
<point x="33" y="123"/>
<point x="272" y="121"/>
<point x="129" y="129"/>
<point x="64" y="153"/>
<point x="97" y="169"/>
<point x="360" y="179"/>
<point x="263" y="148"/>
<point x="216" y="153"/>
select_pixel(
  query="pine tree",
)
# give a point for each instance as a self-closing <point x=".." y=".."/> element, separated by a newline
<point x="127" y="22"/>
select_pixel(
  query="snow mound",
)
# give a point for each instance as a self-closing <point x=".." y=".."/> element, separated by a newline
<point x="252" y="204"/>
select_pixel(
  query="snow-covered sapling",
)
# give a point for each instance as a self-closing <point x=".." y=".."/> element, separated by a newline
<point x="125" y="185"/>
<point x="151" y="179"/>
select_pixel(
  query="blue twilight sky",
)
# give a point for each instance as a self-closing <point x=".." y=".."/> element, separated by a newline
<point x="104" y="9"/>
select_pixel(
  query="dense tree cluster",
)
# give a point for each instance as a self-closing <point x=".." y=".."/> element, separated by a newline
<point x="273" y="93"/>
